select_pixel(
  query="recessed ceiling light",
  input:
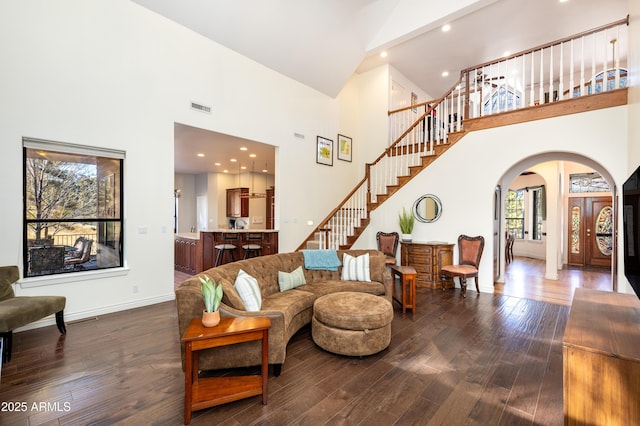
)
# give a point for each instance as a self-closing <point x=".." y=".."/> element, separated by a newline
<point x="264" y="170"/>
<point x="243" y="148"/>
<point x="200" y="154"/>
<point x="225" y="171"/>
<point x="243" y="167"/>
<point x="233" y="160"/>
<point x="383" y="54"/>
<point x="252" y="155"/>
<point x="563" y="1"/>
<point x="216" y="164"/>
<point x="445" y="73"/>
<point x="446" y="27"/>
<point x="506" y="53"/>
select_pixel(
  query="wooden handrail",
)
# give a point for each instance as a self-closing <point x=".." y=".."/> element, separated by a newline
<point x="456" y="104"/>
<point x="553" y="43"/>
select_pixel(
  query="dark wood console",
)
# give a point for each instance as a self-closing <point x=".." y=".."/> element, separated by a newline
<point x="427" y="258"/>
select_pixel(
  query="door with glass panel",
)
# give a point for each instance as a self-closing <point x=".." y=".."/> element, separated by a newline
<point x="590" y="231"/>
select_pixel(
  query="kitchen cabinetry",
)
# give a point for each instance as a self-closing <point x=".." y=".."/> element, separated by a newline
<point x="185" y="251"/>
<point x="601" y="359"/>
<point x="427" y="259"/>
<point x="237" y="204"/>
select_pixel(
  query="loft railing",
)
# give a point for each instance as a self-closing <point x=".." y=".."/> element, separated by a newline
<point x="591" y="62"/>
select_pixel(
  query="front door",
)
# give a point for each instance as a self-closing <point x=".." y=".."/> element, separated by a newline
<point x="590" y="231"/>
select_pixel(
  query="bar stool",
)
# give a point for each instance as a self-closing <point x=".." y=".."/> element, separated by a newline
<point x="226" y="246"/>
<point x="252" y="245"/>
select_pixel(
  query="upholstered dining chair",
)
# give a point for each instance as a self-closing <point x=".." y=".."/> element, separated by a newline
<point x="469" y="254"/>
<point x="388" y="244"/>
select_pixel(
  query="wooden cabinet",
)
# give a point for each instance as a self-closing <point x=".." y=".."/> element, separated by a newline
<point x="185" y="250"/>
<point x="270" y="208"/>
<point x="427" y="259"/>
<point x="237" y="204"/>
<point x="601" y="359"/>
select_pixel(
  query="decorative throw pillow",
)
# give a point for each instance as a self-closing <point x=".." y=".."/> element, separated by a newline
<point x="249" y="291"/>
<point x="289" y="280"/>
<point x="355" y="268"/>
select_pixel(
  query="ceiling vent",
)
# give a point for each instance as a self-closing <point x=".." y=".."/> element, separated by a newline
<point x="201" y="108"/>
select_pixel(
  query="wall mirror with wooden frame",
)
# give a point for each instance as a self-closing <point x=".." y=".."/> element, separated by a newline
<point x="427" y="208"/>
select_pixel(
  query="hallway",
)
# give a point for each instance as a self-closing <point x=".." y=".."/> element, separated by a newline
<point x="525" y="279"/>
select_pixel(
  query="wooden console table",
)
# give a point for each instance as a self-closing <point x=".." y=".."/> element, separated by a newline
<point x="601" y="357"/>
<point x="207" y="392"/>
<point x="427" y="258"/>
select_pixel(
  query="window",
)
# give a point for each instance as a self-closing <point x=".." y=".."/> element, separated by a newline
<point x="537" y="216"/>
<point x="72" y="208"/>
<point x="514" y="214"/>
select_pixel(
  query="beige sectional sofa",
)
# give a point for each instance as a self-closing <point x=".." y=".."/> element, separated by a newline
<point x="288" y="310"/>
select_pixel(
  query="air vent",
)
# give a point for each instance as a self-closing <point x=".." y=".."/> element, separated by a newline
<point x="201" y="108"/>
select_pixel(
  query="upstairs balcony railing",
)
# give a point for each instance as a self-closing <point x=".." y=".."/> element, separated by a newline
<point x="585" y="64"/>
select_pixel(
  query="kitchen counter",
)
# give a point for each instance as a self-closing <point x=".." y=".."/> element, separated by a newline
<point x="195" y="252"/>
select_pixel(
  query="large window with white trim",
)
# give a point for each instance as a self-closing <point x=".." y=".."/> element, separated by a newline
<point x="72" y="208"/>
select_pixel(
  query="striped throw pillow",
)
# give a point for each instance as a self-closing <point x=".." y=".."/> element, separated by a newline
<point x="356" y="268"/>
<point x="249" y="291"/>
<point x="289" y="280"/>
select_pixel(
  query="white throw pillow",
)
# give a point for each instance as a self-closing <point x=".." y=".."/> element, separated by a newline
<point x="249" y="291"/>
<point x="356" y="268"/>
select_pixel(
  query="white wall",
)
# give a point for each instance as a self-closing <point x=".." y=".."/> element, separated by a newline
<point x="109" y="73"/>
<point x="465" y="177"/>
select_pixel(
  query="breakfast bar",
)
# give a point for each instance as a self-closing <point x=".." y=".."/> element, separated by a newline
<point x="195" y="252"/>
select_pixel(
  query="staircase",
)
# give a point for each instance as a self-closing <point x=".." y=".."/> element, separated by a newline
<point x="583" y="72"/>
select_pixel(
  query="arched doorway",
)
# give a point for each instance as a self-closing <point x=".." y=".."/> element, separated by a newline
<point x="553" y="244"/>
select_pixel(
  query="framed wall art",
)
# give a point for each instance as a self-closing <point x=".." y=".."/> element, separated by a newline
<point x="344" y="148"/>
<point x="324" y="151"/>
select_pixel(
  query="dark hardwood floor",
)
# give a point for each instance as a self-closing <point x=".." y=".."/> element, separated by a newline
<point x="489" y="359"/>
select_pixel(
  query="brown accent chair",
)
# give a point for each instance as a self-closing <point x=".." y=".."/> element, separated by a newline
<point x="22" y="310"/>
<point x="469" y="254"/>
<point x="388" y="244"/>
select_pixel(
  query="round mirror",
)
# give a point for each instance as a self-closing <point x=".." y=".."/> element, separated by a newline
<point x="427" y="208"/>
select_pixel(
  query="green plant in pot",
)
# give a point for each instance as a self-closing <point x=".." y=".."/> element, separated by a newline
<point x="406" y="221"/>
<point x="212" y="296"/>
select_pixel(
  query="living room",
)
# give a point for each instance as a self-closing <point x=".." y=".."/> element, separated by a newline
<point x="116" y="75"/>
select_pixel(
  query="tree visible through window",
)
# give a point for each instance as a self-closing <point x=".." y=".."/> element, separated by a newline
<point x="72" y="208"/>
<point x="514" y="213"/>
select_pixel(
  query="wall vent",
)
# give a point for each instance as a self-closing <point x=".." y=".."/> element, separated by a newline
<point x="201" y="108"/>
<point x="298" y="135"/>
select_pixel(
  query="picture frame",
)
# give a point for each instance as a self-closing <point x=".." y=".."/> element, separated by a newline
<point x="324" y="151"/>
<point x="345" y="148"/>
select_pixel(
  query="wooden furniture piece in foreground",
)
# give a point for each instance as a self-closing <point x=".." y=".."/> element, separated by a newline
<point x="407" y="277"/>
<point x="207" y="392"/>
<point x="469" y="254"/>
<point x="427" y="258"/>
<point x="601" y="359"/>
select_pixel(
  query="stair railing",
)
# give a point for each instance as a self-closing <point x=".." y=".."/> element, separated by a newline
<point x="591" y="62"/>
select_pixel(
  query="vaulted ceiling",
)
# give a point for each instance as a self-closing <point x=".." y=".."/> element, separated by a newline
<point x="321" y="43"/>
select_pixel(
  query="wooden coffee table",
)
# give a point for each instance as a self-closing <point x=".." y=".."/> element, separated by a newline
<point x="207" y="392"/>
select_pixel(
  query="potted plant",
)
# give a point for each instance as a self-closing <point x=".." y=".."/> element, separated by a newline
<point x="406" y="220"/>
<point x="212" y="296"/>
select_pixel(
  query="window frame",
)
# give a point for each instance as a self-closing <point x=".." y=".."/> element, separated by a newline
<point x="112" y="219"/>
<point x="509" y="219"/>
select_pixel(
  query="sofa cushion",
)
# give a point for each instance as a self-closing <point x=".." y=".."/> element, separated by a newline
<point x="333" y="286"/>
<point x="290" y="303"/>
<point x="355" y="268"/>
<point x="6" y="291"/>
<point x="290" y="280"/>
<point x="249" y="291"/>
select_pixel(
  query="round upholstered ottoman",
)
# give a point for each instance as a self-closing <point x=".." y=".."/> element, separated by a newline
<point x="352" y="323"/>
